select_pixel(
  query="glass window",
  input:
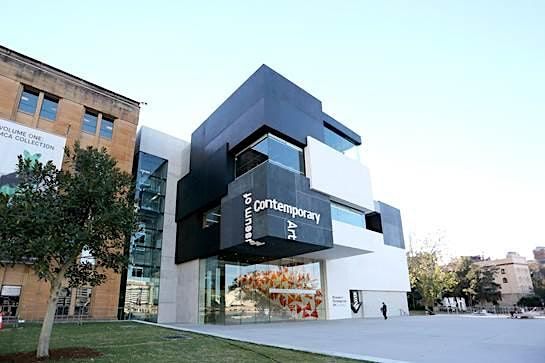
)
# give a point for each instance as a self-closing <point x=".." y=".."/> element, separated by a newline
<point x="347" y="215"/>
<point x="270" y="148"/>
<point x="89" y="124"/>
<point x="9" y="300"/>
<point x="239" y="293"/>
<point x="503" y="271"/>
<point x="341" y="143"/>
<point x="106" y="128"/>
<point x="137" y="272"/>
<point x="49" y="108"/>
<point x="211" y="217"/>
<point x="504" y="280"/>
<point x="28" y="102"/>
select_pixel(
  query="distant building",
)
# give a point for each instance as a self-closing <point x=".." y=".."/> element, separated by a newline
<point x="539" y="255"/>
<point x="513" y="277"/>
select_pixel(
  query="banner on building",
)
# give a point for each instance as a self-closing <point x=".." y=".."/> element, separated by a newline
<point x="33" y="144"/>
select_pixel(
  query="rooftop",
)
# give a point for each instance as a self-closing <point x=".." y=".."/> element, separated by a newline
<point x="62" y="74"/>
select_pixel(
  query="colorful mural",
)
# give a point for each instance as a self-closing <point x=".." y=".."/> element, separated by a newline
<point x="235" y="293"/>
<point x="296" y="291"/>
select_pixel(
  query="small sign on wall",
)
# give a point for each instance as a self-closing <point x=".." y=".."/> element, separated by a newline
<point x="339" y="301"/>
<point x="355" y="301"/>
<point x="8" y="290"/>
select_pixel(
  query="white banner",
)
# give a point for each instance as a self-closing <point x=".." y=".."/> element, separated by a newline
<point x="33" y="144"/>
<point x="10" y="290"/>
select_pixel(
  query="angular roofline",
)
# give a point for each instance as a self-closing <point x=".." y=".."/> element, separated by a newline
<point x="70" y="77"/>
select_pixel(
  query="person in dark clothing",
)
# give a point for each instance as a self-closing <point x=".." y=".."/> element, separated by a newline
<point x="384" y="310"/>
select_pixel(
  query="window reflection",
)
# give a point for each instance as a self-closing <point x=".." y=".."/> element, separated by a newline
<point x="341" y="143"/>
<point x="106" y="128"/>
<point x="211" y="217"/>
<point x="348" y="215"/>
<point x="89" y="124"/>
<point x="142" y="291"/>
<point x="49" y="108"/>
<point x="238" y="293"/>
<point x="270" y="148"/>
<point x="28" y="101"/>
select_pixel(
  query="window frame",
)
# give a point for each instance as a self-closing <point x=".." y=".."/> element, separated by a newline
<point x="348" y="209"/>
<point x="32" y="91"/>
<point x="50" y="98"/>
<point x="216" y="208"/>
<point x="108" y="119"/>
<point x="340" y="135"/>
<point x="279" y="139"/>
<point x="92" y="113"/>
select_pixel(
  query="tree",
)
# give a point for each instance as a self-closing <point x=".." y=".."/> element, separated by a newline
<point x="484" y="284"/>
<point x="466" y="275"/>
<point x="426" y="275"/>
<point x="537" y="272"/>
<point x="54" y="215"/>
<point x="530" y="301"/>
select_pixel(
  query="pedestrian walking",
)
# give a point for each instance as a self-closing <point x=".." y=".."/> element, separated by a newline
<point x="384" y="310"/>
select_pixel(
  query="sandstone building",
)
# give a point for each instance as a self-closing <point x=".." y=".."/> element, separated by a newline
<point x="54" y="102"/>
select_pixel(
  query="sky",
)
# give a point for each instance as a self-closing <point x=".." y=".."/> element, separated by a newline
<point x="449" y="97"/>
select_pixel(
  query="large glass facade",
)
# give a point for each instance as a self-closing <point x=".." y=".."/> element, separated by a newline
<point x="273" y="149"/>
<point x="239" y="293"/>
<point x="142" y="290"/>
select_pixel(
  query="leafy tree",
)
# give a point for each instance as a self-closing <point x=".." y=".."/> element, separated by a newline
<point x="531" y="301"/>
<point x="463" y="269"/>
<point x="537" y="272"/>
<point x="427" y="276"/>
<point x="484" y="284"/>
<point x="54" y="215"/>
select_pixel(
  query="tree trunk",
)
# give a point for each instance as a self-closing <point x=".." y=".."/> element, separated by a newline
<point x="47" y="325"/>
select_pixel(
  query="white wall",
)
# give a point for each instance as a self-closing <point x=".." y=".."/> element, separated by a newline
<point x="347" y="235"/>
<point x="351" y="184"/>
<point x="382" y="270"/>
<point x="176" y="151"/>
<point x="187" y="292"/>
<point x="396" y="302"/>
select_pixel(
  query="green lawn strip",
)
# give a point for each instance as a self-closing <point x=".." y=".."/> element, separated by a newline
<point x="133" y="342"/>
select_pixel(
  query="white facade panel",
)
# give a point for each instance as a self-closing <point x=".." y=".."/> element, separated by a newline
<point x="176" y="152"/>
<point x="187" y="292"/>
<point x="396" y="303"/>
<point x="384" y="270"/>
<point x="353" y="187"/>
<point x="347" y="235"/>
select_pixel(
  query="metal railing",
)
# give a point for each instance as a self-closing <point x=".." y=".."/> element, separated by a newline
<point x="14" y="315"/>
<point x="494" y="309"/>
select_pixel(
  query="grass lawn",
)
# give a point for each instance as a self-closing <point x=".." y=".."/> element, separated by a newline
<point x="133" y="342"/>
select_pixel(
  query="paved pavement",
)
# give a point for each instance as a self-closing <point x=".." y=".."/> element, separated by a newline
<point x="426" y="339"/>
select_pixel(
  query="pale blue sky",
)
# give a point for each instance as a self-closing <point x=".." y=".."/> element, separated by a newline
<point x="448" y="96"/>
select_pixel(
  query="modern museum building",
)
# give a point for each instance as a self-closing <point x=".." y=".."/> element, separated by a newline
<point x="266" y="215"/>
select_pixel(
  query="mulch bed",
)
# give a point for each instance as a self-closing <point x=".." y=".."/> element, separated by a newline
<point x="54" y="354"/>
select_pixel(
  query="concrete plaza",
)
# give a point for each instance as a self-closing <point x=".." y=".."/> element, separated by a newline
<point x="426" y="339"/>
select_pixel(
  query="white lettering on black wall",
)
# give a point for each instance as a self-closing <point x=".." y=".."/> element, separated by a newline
<point x="249" y="221"/>
<point x="260" y="205"/>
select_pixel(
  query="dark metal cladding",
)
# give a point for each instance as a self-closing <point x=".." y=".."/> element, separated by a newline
<point x="266" y="102"/>
<point x="277" y="233"/>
